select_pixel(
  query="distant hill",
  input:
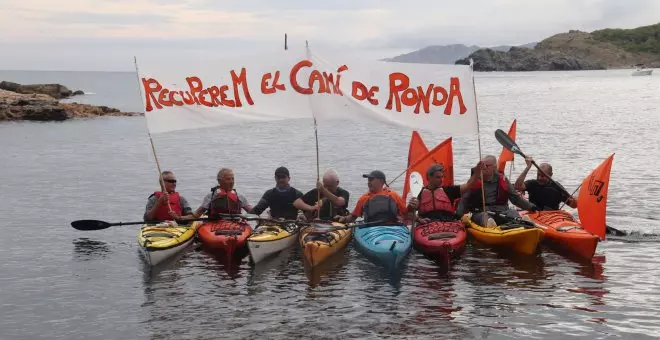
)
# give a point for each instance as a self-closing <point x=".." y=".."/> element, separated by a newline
<point x="444" y="54"/>
<point x="577" y="50"/>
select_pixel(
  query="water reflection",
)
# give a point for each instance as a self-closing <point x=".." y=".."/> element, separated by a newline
<point x="85" y="249"/>
<point x="327" y="270"/>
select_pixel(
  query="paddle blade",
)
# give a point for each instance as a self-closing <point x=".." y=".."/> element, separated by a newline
<point x="416" y="183"/>
<point x="592" y="199"/>
<point x="507" y="142"/>
<point x="90" y="225"/>
<point x="506" y="155"/>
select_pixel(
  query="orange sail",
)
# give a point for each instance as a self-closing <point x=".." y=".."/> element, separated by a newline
<point x="592" y="199"/>
<point x="442" y="154"/>
<point x="506" y="155"/>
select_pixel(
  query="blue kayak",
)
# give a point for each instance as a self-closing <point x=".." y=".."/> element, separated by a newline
<point x="386" y="244"/>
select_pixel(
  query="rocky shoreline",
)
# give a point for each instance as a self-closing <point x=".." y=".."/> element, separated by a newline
<point x="40" y="102"/>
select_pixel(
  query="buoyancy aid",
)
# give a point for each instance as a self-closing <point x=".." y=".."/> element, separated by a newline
<point x="502" y="193"/>
<point x="163" y="211"/>
<point x="434" y="200"/>
<point x="380" y="208"/>
<point x="224" y="202"/>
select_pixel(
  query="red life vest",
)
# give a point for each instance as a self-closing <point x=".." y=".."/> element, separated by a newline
<point x="502" y="192"/>
<point x="163" y="211"/>
<point x="223" y="202"/>
<point x="436" y="200"/>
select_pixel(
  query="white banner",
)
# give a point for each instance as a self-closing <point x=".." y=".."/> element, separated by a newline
<point x="287" y="85"/>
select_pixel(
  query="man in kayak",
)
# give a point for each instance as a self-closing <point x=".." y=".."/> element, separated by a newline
<point x="334" y="199"/>
<point x="280" y="198"/>
<point x="436" y="202"/>
<point x="167" y="204"/>
<point x="379" y="203"/>
<point x="223" y="198"/>
<point x="544" y="194"/>
<point x="498" y="192"/>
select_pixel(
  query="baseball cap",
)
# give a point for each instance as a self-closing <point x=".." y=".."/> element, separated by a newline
<point x="375" y="174"/>
<point x="282" y="171"/>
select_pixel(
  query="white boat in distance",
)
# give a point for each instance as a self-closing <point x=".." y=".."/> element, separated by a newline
<point x="641" y="70"/>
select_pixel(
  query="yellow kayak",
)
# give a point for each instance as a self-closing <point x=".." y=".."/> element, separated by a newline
<point x="320" y="241"/>
<point x="270" y="239"/>
<point x="518" y="239"/>
<point x="159" y="242"/>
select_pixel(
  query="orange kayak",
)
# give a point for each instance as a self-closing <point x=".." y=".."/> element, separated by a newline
<point x="224" y="237"/>
<point x="564" y="232"/>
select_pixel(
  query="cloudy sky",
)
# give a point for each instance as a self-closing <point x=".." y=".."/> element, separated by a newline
<point x="105" y="35"/>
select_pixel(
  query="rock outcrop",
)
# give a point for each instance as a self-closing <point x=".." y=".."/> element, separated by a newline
<point x="38" y="104"/>
<point x="524" y="59"/>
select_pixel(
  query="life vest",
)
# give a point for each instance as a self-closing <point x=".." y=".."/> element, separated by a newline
<point x="434" y="200"/>
<point x="380" y="208"/>
<point x="163" y="211"/>
<point x="502" y="193"/>
<point x="223" y="202"/>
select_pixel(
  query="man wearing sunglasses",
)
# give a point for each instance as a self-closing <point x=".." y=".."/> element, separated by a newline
<point x="436" y="202"/>
<point x="167" y="204"/>
<point x="379" y="203"/>
<point x="280" y="198"/>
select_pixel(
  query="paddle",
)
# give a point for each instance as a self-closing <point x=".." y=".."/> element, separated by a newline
<point x="100" y="225"/>
<point x="354" y="225"/>
<point x="416" y="186"/>
<point x="510" y="145"/>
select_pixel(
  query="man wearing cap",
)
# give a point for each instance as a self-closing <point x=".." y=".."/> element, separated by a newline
<point x="280" y="198"/>
<point x="379" y="203"/>
<point x="436" y="202"/>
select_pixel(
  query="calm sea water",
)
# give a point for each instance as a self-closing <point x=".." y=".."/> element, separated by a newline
<point x="56" y="282"/>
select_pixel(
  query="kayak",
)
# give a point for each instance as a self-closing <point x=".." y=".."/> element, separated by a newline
<point x="440" y="239"/>
<point x="386" y="244"/>
<point x="511" y="236"/>
<point x="320" y="241"/>
<point x="564" y="232"/>
<point x="159" y="242"/>
<point x="224" y="237"/>
<point x="270" y="239"/>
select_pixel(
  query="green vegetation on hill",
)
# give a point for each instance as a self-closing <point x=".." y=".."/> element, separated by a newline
<point x="645" y="39"/>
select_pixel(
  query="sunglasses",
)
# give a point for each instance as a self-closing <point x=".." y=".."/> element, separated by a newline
<point x="170" y="180"/>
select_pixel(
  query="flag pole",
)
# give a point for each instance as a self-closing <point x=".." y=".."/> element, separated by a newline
<point x="481" y="173"/>
<point x="151" y="141"/>
<point x="316" y="133"/>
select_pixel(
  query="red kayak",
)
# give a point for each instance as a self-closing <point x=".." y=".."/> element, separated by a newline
<point x="440" y="240"/>
<point x="224" y="237"/>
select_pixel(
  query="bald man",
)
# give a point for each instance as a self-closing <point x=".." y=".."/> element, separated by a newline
<point x="544" y="194"/>
<point x="334" y="199"/>
<point x="498" y="191"/>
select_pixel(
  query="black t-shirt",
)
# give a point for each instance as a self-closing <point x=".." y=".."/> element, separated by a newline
<point x="545" y="196"/>
<point x="280" y="203"/>
<point x="453" y="192"/>
<point x="328" y="209"/>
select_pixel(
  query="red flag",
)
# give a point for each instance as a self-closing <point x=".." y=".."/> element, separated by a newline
<point x="506" y="155"/>
<point x="417" y="148"/>
<point x="441" y="154"/>
<point x="592" y="199"/>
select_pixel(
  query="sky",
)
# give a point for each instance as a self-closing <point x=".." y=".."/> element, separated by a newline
<point x="103" y="35"/>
